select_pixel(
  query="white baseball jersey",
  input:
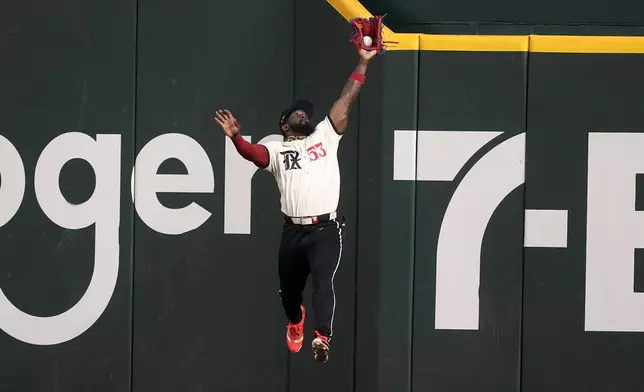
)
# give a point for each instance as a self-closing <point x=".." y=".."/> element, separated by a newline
<point x="307" y="172"/>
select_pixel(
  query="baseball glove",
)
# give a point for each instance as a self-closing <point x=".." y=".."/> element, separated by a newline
<point x="368" y="27"/>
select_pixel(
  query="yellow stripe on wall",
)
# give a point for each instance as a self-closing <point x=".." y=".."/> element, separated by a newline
<point x="350" y="9"/>
<point x="586" y="44"/>
<point x="494" y="43"/>
<point x="402" y="41"/>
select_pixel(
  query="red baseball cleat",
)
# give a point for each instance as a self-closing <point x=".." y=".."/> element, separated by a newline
<point x="295" y="334"/>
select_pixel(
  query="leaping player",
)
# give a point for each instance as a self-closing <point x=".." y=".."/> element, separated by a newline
<point x="305" y="167"/>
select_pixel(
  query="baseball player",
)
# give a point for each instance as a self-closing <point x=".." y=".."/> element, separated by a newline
<point x="305" y="167"/>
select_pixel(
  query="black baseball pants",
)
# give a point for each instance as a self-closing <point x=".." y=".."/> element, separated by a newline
<point x="314" y="250"/>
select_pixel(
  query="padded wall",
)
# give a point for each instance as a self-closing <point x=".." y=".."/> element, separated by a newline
<point x="66" y="76"/>
<point x="492" y="200"/>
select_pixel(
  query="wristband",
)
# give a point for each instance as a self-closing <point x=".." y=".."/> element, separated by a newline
<point x="358" y="77"/>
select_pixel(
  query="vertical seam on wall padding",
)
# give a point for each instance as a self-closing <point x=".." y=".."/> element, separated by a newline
<point x="525" y="191"/>
<point x="293" y="91"/>
<point x="133" y="213"/>
<point x="413" y="265"/>
<point x="356" y="258"/>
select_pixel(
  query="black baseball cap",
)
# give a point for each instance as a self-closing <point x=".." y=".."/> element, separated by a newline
<point x="300" y="104"/>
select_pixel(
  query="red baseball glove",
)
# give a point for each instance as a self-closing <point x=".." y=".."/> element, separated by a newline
<point x="368" y="27"/>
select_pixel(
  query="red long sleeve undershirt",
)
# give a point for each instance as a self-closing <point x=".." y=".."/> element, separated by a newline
<point x="256" y="153"/>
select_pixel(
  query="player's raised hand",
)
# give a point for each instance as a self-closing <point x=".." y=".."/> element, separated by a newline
<point x="227" y="122"/>
<point x="367" y="55"/>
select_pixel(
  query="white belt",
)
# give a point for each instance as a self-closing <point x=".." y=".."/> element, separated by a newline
<point x="311" y="220"/>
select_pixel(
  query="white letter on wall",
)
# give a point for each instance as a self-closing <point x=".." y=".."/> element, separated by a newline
<point x="12" y="175"/>
<point x="102" y="208"/>
<point x="237" y="192"/>
<point x="614" y="230"/>
<point x="460" y="240"/>
<point x="146" y="183"/>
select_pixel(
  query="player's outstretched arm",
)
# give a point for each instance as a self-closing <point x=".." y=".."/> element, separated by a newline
<point x="339" y="113"/>
<point x="256" y="153"/>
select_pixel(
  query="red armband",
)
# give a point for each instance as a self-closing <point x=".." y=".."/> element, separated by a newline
<point x="255" y="153"/>
<point x="358" y="77"/>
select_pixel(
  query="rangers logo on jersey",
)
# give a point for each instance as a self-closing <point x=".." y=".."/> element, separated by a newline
<point x="291" y="159"/>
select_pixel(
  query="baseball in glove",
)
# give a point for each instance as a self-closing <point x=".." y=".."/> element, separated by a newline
<point x="367" y="34"/>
